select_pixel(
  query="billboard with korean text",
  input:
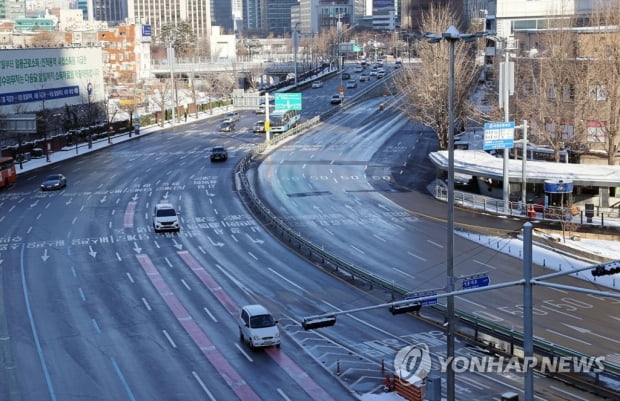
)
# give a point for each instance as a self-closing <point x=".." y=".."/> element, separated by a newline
<point x="34" y="79"/>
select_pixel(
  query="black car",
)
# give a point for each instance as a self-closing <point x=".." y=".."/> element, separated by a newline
<point x="219" y="153"/>
<point x="54" y="181"/>
<point x="227" y="126"/>
<point x="346" y="75"/>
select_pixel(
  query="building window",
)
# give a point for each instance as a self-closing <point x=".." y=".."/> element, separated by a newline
<point x="597" y="132"/>
<point x="598" y="93"/>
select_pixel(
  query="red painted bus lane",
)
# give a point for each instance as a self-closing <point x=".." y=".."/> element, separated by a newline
<point x="300" y="377"/>
<point x="130" y="211"/>
<point x="219" y="362"/>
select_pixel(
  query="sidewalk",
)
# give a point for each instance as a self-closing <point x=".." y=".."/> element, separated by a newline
<point x="82" y="148"/>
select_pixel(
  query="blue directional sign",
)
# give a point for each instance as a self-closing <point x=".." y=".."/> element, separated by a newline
<point x="431" y="301"/>
<point x="499" y="135"/>
<point x="288" y="101"/>
<point x="476" y="281"/>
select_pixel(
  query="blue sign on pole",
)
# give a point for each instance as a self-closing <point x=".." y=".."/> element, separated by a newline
<point x="499" y="135"/>
<point x="476" y="282"/>
<point x="426" y="302"/>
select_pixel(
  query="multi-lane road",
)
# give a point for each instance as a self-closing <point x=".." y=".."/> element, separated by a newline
<point x="95" y="305"/>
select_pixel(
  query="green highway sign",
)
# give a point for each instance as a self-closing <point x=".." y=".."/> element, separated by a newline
<point x="288" y="101"/>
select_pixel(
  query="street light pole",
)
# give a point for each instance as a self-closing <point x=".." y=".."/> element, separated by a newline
<point x="452" y="35"/>
<point x="172" y="96"/>
<point x="506" y="79"/>
<point x="450" y="379"/>
<point x="295" y="45"/>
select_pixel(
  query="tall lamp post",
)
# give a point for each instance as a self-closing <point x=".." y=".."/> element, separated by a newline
<point x="295" y="46"/>
<point x="173" y="94"/>
<point x="451" y="35"/>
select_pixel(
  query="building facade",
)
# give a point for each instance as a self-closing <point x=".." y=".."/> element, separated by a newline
<point x="222" y="15"/>
<point x="255" y="17"/>
<point x="114" y="12"/>
<point x="158" y="13"/>
<point x="279" y="16"/>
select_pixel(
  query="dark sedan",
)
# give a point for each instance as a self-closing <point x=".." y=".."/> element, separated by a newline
<point x="54" y="181"/>
<point x="227" y="126"/>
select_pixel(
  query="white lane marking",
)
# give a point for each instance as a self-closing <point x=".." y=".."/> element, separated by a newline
<point x="396" y="269"/>
<point x="169" y="339"/>
<point x="282" y="394"/>
<point x="566" y="392"/>
<point x="417" y="257"/>
<point x="484" y="264"/>
<point x="560" y="312"/>
<point x="210" y="314"/>
<point x="434" y="243"/>
<point x="203" y="386"/>
<point x="286" y="279"/>
<point x="471" y="302"/>
<point x="569" y="337"/>
<point x="245" y="354"/>
<point x="357" y="249"/>
<point x="146" y="304"/>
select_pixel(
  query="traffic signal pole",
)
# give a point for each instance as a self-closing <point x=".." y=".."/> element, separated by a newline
<point x="414" y="305"/>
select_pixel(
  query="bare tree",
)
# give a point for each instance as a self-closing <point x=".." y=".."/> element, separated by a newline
<point x="546" y="87"/>
<point x="598" y="86"/>
<point x="162" y="96"/>
<point x="425" y="85"/>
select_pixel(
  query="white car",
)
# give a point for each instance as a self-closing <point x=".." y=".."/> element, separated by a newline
<point x="317" y="84"/>
<point x="165" y="218"/>
<point x="257" y="327"/>
<point x="232" y="117"/>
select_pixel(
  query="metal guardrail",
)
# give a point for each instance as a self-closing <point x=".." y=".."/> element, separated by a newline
<point x="320" y="255"/>
<point x="601" y="218"/>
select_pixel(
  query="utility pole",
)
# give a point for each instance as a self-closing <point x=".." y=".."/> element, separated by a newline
<point x="295" y="46"/>
<point x="507" y="89"/>
<point x="173" y="94"/>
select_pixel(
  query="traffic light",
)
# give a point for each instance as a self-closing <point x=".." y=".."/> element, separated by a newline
<point x="310" y="323"/>
<point x="604" y="270"/>
<point x="405" y="308"/>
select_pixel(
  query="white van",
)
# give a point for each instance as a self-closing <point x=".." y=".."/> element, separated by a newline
<point x="257" y="327"/>
<point x="165" y="218"/>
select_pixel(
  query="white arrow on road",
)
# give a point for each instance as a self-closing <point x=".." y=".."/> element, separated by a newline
<point x="92" y="251"/>
<point x="69" y="201"/>
<point x="34" y="204"/>
<point x="136" y="247"/>
<point x="166" y="195"/>
<point x="583" y="330"/>
<point x="177" y="245"/>
<point x="105" y="197"/>
<point x="135" y="197"/>
<point x="215" y="243"/>
<point x="256" y="241"/>
<point x="45" y="256"/>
